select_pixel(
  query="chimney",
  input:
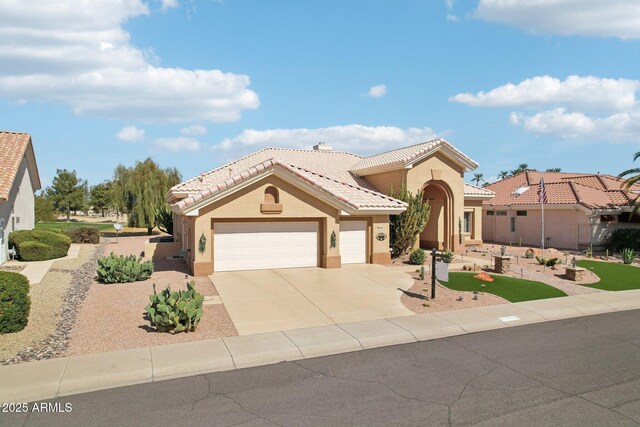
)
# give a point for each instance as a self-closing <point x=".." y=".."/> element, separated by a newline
<point x="321" y="146"/>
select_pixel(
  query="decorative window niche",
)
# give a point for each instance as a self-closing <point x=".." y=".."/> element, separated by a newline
<point x="271" y="204"/>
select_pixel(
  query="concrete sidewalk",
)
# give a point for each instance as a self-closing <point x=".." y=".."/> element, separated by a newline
<point x="78" y="374"/>
<point x="36" y="270"/>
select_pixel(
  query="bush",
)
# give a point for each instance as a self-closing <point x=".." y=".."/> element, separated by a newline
<point x="14" y="302"/>
<point x="57" y="243"/>
<point x="35" y="251"/>
<point x="529" y="253"/>
<point x="175" y="311"/>
<point x="417" y="257"/>
<point x="625" y="238"/>
<point x="121" y="269"/>
<point x="549" y="262"/>
<point x="83" y="234"/>
<point x="405" y="227"/>
<point x="448" y="256"/>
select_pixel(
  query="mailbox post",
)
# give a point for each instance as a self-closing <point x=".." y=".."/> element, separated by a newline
<point x="439" y="270"/>
<point x="434" y="255"/>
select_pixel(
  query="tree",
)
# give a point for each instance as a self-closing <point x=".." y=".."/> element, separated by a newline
<point x="405" y="227"/>
<point x="67" y="192"/>
<point x="140" y="191"/>
<point x="477" y="177"/>
<point x="631" y="181"/>
<point x="503" y="175"/>
<point x="523" y="167"/>
<point x="553" y="170"/>
<point x="45" y="210"/>
<point x="101" y="197"/>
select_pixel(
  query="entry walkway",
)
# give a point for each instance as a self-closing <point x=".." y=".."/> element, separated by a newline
<point x="78" y="374"/>
<point x="36" y="270"/>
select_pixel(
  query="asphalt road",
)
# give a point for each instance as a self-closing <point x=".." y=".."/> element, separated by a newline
<point x="583" y="371"/>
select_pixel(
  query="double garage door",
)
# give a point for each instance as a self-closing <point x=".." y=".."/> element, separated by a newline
<point x="264" y="245"/>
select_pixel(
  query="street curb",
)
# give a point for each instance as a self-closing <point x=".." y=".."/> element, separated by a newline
<point x="70" y="375"/>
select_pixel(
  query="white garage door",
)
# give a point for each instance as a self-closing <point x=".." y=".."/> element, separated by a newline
<point x="255" y="246"/>
<point x="353" y="242"/>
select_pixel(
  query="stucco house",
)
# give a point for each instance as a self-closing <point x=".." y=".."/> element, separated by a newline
<point x="278" y="207"/>
<point x="19" y="179"/>
<point x="582" y="210"/>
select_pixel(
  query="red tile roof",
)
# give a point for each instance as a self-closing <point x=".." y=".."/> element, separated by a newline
<point x="13" y="147"/>
<point x="590" y="190"/>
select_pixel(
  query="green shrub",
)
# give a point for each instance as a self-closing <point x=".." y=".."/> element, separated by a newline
<point x="83" y="234"/>
<point x="417" y="257"/>
<point x="625" y="238"/>
<point x="549" y="262"/>
<point x="58" y="243"/>
<point x="448" y="256"/>
<point x="178" y="311"/>
<point x="35" y="251"/>
<point x="529" y="253"/>
<point x="628" y="255"/>
<point x="405" y="227"/>
<point x="14" y="302"/>
<point x="121" y="269"/>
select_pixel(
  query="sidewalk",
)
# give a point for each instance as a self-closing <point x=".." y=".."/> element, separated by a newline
<point x="36" y="270"/>
<point x="79" y="374"/>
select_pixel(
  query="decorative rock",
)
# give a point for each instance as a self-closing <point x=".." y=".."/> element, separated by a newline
<point x="502" y="264"/>
<point x="576" y="274"/>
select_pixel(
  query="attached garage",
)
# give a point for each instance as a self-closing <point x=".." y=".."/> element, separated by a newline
<point x="353" y="242"/>
<point x="262" y="245"/>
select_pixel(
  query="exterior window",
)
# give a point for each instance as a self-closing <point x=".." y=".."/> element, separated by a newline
<point x="490" y="213"/>
<point x="468" y="219"/>
<point x="501" y="213"/>
<point x="271" y="195"/>
<point x="513" y="224"/>
<point x="521" y="213"/>
<point x="607" y="218"/>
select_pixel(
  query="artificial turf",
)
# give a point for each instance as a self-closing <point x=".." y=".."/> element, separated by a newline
<point x="61" y="226"/>
<point x="509" y="288"/>
<point x="613" y="276"/>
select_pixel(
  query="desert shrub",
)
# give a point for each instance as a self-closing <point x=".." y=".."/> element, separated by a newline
<point x="175" y="311"/>
<point x="549" y="262"/>
<point x="417" y="256"/>
<point x="625" y="238"/>
<point x="58" y="243"/>
<point x="123" y="269"/>
<point x="83" y="234"/>
<point x="529" y="253"/>
<point x="14" y="302"/>
<point x="448" y="256"/>
<point x="628" y="255"/>
<point x="35" y="251"/>
<point x="405" y="227"/>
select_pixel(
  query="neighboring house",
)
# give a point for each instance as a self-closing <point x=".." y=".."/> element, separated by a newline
<point x="19" y="179"/>
<point x="278" y="208"/>
<point x="582" y="209"/>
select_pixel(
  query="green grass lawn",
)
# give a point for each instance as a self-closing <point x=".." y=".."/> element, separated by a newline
<point x="613" y="277"/>
<point x="61" y="225"/>
<point x="509" y="288"/>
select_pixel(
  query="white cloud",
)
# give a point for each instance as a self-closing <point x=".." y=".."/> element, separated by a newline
<point x="355" y="138"/>
<point x="169" y="4"/>
<point x="581" y="92"/>
<point x="578" y="108"/>
<point x="76" y="53"/>
<point x="131" y="134"/>
<point x="452" y="18"/>
<point x="181" y="143"/>
<point x="194" y="130"/>
<point x="377" y="91"/>
<point x="599" y="18"/>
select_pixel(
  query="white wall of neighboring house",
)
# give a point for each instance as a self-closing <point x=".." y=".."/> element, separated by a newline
<point x="18" y="211"/>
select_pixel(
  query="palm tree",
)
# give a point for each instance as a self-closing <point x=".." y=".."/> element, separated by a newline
<point x="523" y="167"/>
<point x="554" y="170"/>
<point x="477" y="177"/>
<point x="503" y="175"/>
<point x="632" y="180"/>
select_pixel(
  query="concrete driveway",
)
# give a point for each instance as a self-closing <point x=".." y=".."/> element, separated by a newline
<point x="283" y="299"/>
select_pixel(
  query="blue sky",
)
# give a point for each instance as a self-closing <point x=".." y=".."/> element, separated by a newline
<point x="196" y="83"/>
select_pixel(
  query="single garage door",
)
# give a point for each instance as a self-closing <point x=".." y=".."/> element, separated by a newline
<point x="263" y="245"/>
<point x="353" y="242"/>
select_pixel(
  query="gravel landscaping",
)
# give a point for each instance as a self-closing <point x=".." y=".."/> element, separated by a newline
<point x="54" y="302"/>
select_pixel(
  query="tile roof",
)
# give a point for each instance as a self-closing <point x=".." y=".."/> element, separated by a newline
<point x="590" y="190"/>
<point x="13" y="146"/>
<point x="474" y="190"/>
<point x="406" y="155"/>
<point x="353" y="195"/>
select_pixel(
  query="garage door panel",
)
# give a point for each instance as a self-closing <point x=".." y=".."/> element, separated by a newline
<point x="253" y="246"/>
<point x="353" y="242"/>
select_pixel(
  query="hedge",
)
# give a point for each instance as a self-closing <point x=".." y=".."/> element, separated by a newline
<point x="83" y="234"/>
<point x="58" y="243"/>
<point x="623" y="238"/>
<point x="14" y="302"/>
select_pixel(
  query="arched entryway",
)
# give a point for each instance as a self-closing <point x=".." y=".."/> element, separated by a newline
<point x="438" y="232"/>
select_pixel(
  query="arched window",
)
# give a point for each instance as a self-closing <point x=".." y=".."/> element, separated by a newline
<point x="271" y="195"/>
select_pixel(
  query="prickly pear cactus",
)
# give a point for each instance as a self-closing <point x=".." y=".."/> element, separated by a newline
<point x="175" y="311"/>
<point x="121" y="269"/>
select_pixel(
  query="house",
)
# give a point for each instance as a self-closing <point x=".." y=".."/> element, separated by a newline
<point x="19" y="179"/>
<point x="278" y="207"/>
<point x="582" y="209"/>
